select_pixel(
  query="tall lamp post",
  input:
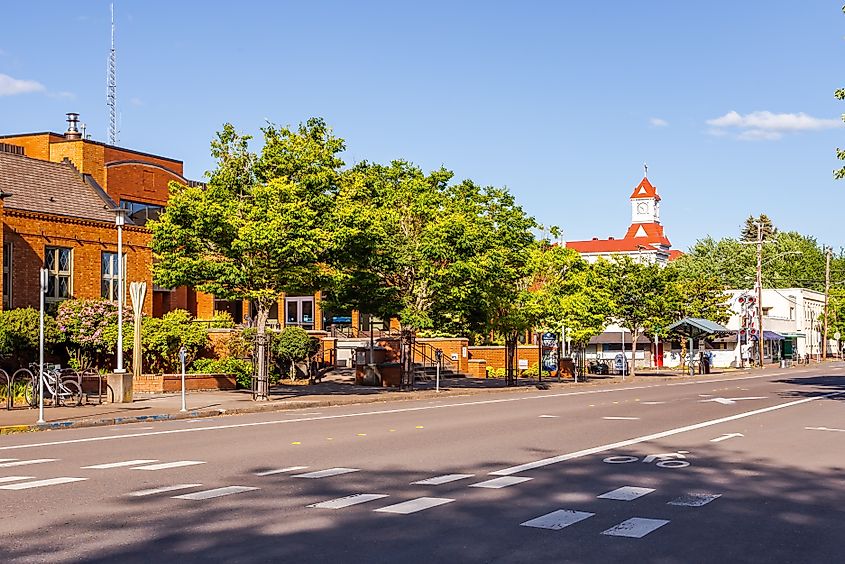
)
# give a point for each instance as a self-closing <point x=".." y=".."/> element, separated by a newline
<point x="119" y="221"/>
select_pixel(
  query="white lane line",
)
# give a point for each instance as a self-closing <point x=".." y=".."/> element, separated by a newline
<point x="347" y="501"/>
<point x="626" y="493"/>
<point x="635" y="528"/>
<point x="216" y="492"/>
<point x="445" y="479"/>
<point x="163" y="489"/>
<point x="7" y="459"/>
<point x="824" y="429"/>
<point x="387" y="411"/>
<point x="167" y="465"/>
<point x="621" y="418"/>
<point x="694" y="499"/>
<point x="557" y="520"/>
<point x="414" y="505"/>
<point x="327" y="473"/>
<point x="5" y="479"/>
<point x="725" y="437"/>
<point x="503" y="482"/>
<point x="129" y="428"/>
<point x="280" y="470"/>
<point x="41" y="483"/>
<point x="653" y="436"/>
<point x="117" y="464"/>
<point x="27" y="462"/>
<point x="652" y="402"/>
<point x="548" y="416"/>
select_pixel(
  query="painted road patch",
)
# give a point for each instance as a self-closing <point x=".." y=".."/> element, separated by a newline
<point x="327" y="473"/>
<point x="414" y="505"/>
<point x="635" y="527"/>
<point x="445" y="479"/>
<point x="347" y="501"/>
<point x="502" y="482"/>
<point x="557" y="520"/>
<point x="626" y="493"/>
<point x="694" y="499"/>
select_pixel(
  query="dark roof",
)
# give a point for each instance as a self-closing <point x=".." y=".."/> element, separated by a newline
<point x="53" y="188"/>
<point x="696" y="327"/>
<point x="609" y="337"/>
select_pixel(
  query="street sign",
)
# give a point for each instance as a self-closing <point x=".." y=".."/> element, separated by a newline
<point x="549" y="340"/>
<point x="837" y="335"/>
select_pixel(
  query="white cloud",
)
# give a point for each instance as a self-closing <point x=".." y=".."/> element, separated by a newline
<point x="657" y="122"/>
<point x="10" y="86"/>
<point x="765" y="125"/>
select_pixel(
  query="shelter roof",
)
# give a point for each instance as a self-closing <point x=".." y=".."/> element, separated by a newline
<point x="696" y="327"/>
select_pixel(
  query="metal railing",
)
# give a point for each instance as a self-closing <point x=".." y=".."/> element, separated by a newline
<point x="426" y="355"/>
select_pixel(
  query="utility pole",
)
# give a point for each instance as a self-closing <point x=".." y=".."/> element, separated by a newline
<point x="760" y="292"/>
<point x="826" y="292"/>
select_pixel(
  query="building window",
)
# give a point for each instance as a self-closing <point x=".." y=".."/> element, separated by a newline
<point x="108" y="272"/>
<point x="140" y="213"/>
<point x="299" y="312"/>
<point x="7" y="276"/>
<point x="58" y="262"/>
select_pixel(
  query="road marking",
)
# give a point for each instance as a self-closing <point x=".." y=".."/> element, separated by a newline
<point x="620" y="459"/>
<point x="129" y="428"/>
<point x="280" y="470"/>
<point x="725" y="437"/>
<point x="824" y="429"/>
<point x="397" y="410"/>
<point x="5" y="479"/>
<point x="626" y="493"/>
<point x="163" y="489"/>
<point x="41" y="483"/>
<point x="347" y="501"/>
<point x="414" y="505"/>
<point x="694" y="499"/>
<point x="7" y="459"/>
<point x="621" y="418"/>
<point x="635" y="527"/>
<point x="117" y="464"/>
<point x="217" y="492"/>
<point x="661" y="457"/>
<point x="327" y="473"/>
<point x="26" y="462"/>
<point x="557" y="520"/>
<point x="542" y="416"/>
<point x="168" y="465"/>
<point x="653" y="436"/>
<point x="652" y="402"/>
<point x="503" y="482"/>
<point x="731" y="401"/>
<point x="445" y="479"/>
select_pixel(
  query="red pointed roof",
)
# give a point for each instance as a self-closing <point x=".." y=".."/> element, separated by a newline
<point x="647" y="233"/>
<point x="675" y="254"/>
<point x="645" y="190"/>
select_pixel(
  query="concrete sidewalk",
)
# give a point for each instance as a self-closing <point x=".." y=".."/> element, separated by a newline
<point x="335" y="390"/>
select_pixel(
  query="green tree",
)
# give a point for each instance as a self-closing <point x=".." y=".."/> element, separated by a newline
<point x="749" y="228"/>
<point x="257" y="229"/>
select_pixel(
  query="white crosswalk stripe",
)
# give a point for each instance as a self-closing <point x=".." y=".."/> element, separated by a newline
<point x="635" y="527"/>
<point x="626" y="493"/>
<point x="117" y="464"/>
<point x="168" y="465"/>
<point x="445" y="479"/>
<point x="414" y="505"/>
<point x="7" y="459"/>
<point x="5" y="479"/>
<point x="26" y="462"/>
<point x="694" y="499"/>
<point x="41" y="483"/>
<point x="557" y="520"/>
<point x="502" y="482"/>
<point x="163" y="489"/>
<point x="327" y="473"/>
<point x="280" y="470"/>
<point x="347" y="501"/>
<point x="216" y="492"/>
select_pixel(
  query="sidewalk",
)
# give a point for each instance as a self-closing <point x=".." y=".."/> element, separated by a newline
<point x="336" y="389"/>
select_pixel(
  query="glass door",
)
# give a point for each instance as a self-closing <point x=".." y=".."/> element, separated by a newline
<point x="299" y="312"/>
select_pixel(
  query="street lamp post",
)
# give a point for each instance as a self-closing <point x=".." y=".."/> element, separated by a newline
<point x="119" y="221"/>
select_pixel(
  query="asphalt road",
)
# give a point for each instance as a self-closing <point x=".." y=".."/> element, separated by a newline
<point x="729" y="469"/>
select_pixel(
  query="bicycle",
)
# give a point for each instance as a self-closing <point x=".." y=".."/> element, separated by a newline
<point x="59" y="384"/>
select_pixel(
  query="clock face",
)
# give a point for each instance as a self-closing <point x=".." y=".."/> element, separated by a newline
<point x="642" y="208"/>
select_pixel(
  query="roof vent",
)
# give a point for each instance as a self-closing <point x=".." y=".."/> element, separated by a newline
<point x="595" y="238"/>
<point x="72" y="126"/>
<point x="610" y="238"/>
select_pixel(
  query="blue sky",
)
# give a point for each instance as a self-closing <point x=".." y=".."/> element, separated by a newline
<point x="730" y="103"/>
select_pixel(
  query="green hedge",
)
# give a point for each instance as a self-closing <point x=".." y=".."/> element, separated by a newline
<point x="241" y="368"/>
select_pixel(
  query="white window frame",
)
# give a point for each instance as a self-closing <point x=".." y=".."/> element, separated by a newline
<point x="56" y="274"/>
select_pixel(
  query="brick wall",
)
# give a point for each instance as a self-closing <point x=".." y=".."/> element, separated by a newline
<point x="139" y="182"/>
<point x="172" y="383"/>
<point x="495" y="356"/>
<point x="31" y="233"/>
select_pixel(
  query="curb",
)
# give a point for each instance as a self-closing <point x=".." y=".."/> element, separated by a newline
<point x="196" y="414"/>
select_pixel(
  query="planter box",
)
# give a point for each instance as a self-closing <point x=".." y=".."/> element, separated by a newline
<point x="172" y="383"/>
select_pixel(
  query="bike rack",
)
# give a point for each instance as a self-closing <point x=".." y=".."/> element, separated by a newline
<point x="10" y="394"/>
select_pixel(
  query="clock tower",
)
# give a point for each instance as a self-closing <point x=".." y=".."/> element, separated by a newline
<point x="645" y="203"/>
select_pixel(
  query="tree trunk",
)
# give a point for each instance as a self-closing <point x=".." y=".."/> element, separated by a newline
<point x="262" y="385"/>
<point x="510" y="358"/>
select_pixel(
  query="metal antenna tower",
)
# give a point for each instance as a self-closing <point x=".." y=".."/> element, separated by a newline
<point x="111" y="87"/>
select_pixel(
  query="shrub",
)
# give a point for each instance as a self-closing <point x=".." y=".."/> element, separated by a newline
<point x="221" y="320"/>
<point x="90" y="329"/>
<point x="241" y="368"/>
<point x="163" y="337"/>
<point x="19" y="332"/>
<point x="293" y="345"/>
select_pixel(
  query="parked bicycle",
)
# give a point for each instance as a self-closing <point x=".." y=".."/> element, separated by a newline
<point x="61" y="385"/>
